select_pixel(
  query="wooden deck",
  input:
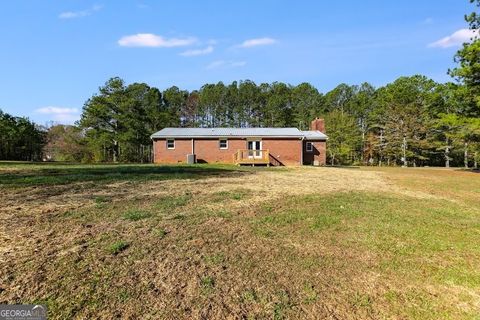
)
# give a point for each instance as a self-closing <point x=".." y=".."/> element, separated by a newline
<point x="251" y="157"/>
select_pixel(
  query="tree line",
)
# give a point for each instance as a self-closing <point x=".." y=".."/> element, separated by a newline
<point x="20" y="139"/>
<point x="412" y="121"/>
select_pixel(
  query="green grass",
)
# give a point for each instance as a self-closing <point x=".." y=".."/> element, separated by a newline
<point x="215" y="259"/>
<point x="168" y="203"/>
<point x="408" y="251"/>
<point x="160" y="233"/>
<point x="101" y="202"/>
<point x="282" y="305"/>
<point x="236" y="194"/>
<point x="117" y="247"/>
<point x="136" y="215"/>
<point x="408" y="239"/>
<point x="207" y="284"/>
<point x="102" y="199"/>
<point x="14" y="174"/>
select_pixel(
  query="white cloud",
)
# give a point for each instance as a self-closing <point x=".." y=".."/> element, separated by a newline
<point x="226" y="64"/>
<point x="257" y="42"/>
<point x="66" y="118"/>
<point x="197" y="52"/>
<point x="153" y="40"/>
<point x="65" y="115"/>
<point x="455" y="39"/>
<point x="79" y="14"/>
<point x="56" y="110"/>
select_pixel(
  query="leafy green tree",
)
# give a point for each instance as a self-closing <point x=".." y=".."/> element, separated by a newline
<point x="190" y="110"/>
<point x="174" y="100"/>
<point x="306" y="104"/>
<point x="343" y="136"/>
<point x="141" y="114"/>
<point x="213" y="104"/>
<point x="403" y="114"/>
<point x="249" y="104"/>
<point x="361" y="105"/>
<point x="468" y="59"/>
<point x="448" y="127"/>
<point x="339" y="98"/>
<point x="65" y="143"/>
<point x="278" y="107"/>
<point x="100" y="119"/>
<point x="21" y="139"/>
<point x="119" y="120"/>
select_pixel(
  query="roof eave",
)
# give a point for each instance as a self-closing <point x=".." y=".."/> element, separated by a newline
<point x="223" y="136"/>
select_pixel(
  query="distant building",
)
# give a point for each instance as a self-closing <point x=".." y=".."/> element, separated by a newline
<point x="251" y="146"/>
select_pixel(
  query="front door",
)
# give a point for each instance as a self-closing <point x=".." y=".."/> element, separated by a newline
<point x="254" y="149"/>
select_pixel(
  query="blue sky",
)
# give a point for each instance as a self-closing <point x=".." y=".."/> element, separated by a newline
<point x="54" y="55"/>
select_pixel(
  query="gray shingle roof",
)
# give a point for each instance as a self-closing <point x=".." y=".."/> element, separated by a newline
<point x="237" y="132"/>
<point x="314" y="135"/>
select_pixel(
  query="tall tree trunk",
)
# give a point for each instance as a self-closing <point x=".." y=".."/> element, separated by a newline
<point x="381" y="148"/>
<point x="364" y="147"/>
<point x="404" y="151"/>
<point x="465" y="155"/>
<point x="447" y="156"/>
<point x="115" y="150"/>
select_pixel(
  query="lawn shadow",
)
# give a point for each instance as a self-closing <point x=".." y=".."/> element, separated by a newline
<point x="342" y="167"/>
<point x="54" y="174"/>
<point x="471" y="170"/>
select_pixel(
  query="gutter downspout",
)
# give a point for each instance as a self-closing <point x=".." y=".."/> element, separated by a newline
<point x="153" y="143"/>
<point x="193" y="148"/>
<point x="301" y="152"/>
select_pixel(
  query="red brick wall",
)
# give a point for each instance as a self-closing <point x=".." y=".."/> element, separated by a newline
<point x="318" y="153"/>
<point x="286" y="151"/>
<point x="179" y="154"/>
<point x="209" y="150"/>
<point x="318" y="124"/>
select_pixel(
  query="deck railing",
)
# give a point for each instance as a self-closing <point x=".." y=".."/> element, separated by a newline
<point x="251" y="157"/>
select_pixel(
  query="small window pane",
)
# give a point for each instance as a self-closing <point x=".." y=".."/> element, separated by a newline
<point x="170" y="144"/>
<point x="309" y="147"/>
<point x="223" y="144"/>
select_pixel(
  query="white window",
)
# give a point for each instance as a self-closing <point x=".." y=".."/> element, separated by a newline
<point x="170" y="144"/>
<point x="223" y="143"/>
<point x="309" y="147"/>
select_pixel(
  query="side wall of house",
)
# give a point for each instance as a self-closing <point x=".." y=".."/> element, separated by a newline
<point x="177" y="155"/>
<point x="282" y="151"/>
<point x="208" y="150"/>
<point x="317" y="155"/>
<point x="287" y="152"/>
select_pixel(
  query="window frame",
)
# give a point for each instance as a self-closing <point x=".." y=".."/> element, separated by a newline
<point x="311" y="146"/>
<point x="220" y="144"/>
<point x="167" y="143"/>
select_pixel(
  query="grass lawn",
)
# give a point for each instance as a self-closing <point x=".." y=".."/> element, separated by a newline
<point x="211" y="241"/>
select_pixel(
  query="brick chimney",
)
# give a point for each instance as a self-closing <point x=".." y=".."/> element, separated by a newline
<point x="318" y="125"/>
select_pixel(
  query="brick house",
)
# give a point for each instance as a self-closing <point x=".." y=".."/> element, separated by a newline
<point x="253" y="146"/>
